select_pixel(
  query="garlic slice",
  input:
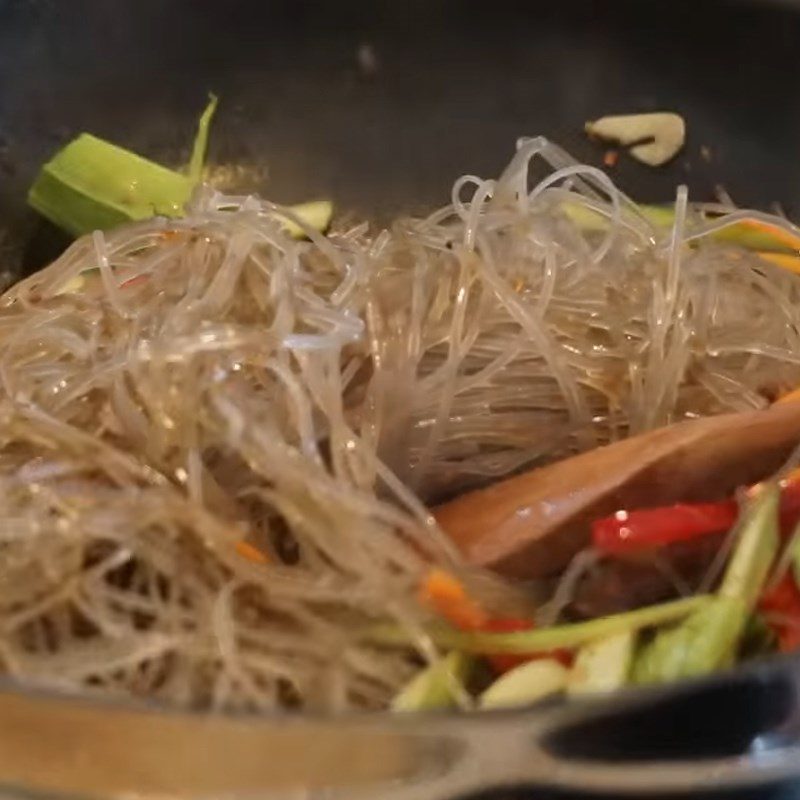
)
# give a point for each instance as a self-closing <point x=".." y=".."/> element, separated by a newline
<point x="653" y="138"/>
<point x="526" y="684"/>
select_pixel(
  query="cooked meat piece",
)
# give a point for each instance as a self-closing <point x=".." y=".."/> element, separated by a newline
<point x="622" y="584"/>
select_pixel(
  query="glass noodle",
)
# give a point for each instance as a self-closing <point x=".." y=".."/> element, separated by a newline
<point x="173" y="388"/>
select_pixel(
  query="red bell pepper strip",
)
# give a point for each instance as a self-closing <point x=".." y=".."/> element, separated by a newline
<point x="628" y="531"/>
<point x="654" y="527"/>
<point x="782" y="601"/>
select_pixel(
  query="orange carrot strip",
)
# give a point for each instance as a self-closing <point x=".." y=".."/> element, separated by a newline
<point x="610" y="158"/>
<point x="789" y="396"/>
<point x="135" y="281"/>
<point x="783" y="260"/>
<point x="246" y="550"/>
<point x="789" y="239"/>
<point x="444" y="594"/>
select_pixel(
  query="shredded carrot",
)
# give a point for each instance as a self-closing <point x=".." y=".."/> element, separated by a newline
<point x="445" y="595"/>
<point x="789" y="397"/>
<point x="135" y="281"/>
<point x="610" y="158"/>
<point x="789" y="239"/>
<point x="783" y="260"/>
<point x="251" y="553"/>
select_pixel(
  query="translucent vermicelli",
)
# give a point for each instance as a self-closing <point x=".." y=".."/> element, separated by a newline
<point x="175" y="391"/>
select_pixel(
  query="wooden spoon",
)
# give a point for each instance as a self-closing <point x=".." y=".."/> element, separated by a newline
<point x="531" y="525"/>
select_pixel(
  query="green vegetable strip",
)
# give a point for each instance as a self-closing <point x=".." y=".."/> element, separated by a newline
<point x="755" y="550"/>
<point x="541" y="639"/>
<point x="92" y="184"/>
<point x="316" y="213"/>
<point x="702" y="644"/>
<point x="588" y="220"/>
<point x="709" y="638"/>
<point x="664" y="217"/>
<point x="200" y="147"/>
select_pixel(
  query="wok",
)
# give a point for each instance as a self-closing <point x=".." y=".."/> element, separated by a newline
<point x="380" y="106"/>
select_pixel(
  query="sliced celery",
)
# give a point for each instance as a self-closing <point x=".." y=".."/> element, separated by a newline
<point x="703" y="643"/>
<point x="436" y="686"/>
<point x="709" y="638"/>
<point x="755" y="549"/>
<point x="568" y="636"/>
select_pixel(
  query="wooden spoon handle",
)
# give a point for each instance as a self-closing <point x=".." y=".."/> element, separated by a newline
<point x="531" y="525"/>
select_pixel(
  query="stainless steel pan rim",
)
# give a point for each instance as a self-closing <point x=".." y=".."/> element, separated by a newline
<point x="91" y="64"/>
<point x="70" y="746"/>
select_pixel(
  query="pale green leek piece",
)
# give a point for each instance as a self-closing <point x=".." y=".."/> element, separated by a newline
<point x="91" y="184"/>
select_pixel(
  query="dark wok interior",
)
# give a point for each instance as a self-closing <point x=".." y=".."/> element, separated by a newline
<point x="381" y="105"/>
